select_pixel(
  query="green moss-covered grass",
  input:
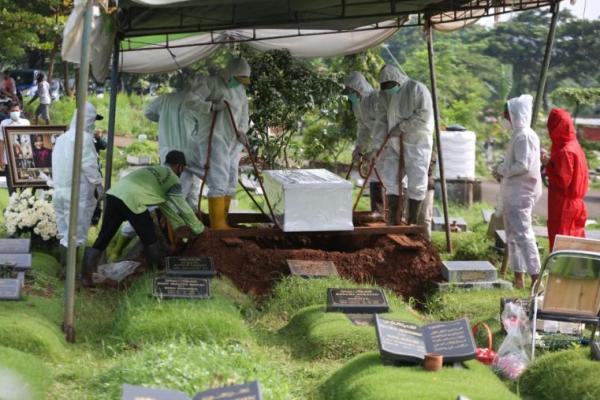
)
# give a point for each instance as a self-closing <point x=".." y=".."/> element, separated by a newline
<point x="569" y="374"/>
<point x="366" y="378"/>
<point x="31" y="334"/>
<point x="315" y="333"/>
<point x="143" y="318"/>
<point x="476" y="305"/>
<point x="23" y="376"/>
<point x="193" y="367"/>
<point x="45" y="264"/>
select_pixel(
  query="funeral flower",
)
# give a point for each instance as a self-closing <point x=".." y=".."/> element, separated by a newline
<point x="31" y="213"/>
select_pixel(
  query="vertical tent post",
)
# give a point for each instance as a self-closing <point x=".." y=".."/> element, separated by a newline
<point x="69" y="318"/>
<point x="436" y="116"/>
<point x="112" y="113"/>
<point x="545" y="64"/>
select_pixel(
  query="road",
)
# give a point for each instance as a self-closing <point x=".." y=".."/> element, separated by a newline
<point x="489" y="190"/>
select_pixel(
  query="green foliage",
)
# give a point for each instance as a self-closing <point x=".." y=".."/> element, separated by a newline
<point x="314" y="333"/>
<point x="144" y="319"/>
<point x="23" y="375"/>
<point x="367" y="378"/>
<point x="192" y="367"/>
<point x="31" y="334"/>
<point x="569" y="374"/>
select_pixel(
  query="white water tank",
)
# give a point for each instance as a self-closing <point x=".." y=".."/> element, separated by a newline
<point x="458" y="152"/>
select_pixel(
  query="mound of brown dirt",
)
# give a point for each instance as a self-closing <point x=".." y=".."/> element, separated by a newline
<point x="255" y="265"/>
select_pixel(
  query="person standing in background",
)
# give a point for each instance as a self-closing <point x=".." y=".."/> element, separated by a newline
<point x="43" y="93"/>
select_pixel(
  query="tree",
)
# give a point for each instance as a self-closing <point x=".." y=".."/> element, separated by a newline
<point x="575" y="98"/>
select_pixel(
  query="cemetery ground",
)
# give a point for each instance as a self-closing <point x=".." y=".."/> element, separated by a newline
<point x="280" y="335"/>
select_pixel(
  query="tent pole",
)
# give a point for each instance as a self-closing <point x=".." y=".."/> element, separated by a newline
<point x="436" y="117"/>
<point x="545" y="64"/>
<point x="112" y="113"/>
<point x="69" y="318"/>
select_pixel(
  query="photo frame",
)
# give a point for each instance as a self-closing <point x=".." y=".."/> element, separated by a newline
<point x="29" y="154"/>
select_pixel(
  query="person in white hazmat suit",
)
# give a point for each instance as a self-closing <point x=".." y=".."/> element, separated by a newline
<point x="209" y="100"/>
<point x="521" y="187"/>
<point x="175" y="127"/>
<point x="408" y="114"/>
<point x="90" y="180"/>
<point x="364" y="100"/>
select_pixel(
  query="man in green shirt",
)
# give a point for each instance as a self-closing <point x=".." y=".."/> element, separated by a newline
<point x="129" y="199"/>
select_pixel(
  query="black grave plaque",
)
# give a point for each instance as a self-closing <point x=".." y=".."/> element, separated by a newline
<point x="357" y="301"/>
<point x="312" y="268"/>
<point x="19" y="261"/>
<point x="452" y="339"/>
<point x="10" y="289"/>
<point x="15" y="246"/>
<point x="200" y="267"/>
<point x="247" y="391"/>
<point x="179" y="287"/>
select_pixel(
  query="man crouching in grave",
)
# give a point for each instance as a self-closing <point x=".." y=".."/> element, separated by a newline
<point x="129" y="200"/>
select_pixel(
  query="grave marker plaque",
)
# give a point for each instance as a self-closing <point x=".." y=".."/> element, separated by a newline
<point x="15" y="246"/>
<point x="312" y="268"/>
<point x="19" y="261"/>
<point x="247" y="391"/>
<point x="199" y="267"/>
<point x="10" y="289"/>
<point x="175" y="287"/>
<point x="357" y="301"/>
<point x="453" y="340"/>
<point x="468" y="271"/>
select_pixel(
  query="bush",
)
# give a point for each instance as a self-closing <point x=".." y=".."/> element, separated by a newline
<point x="193" y="367"/>
<point x="143" y="319"/>
<point x="23" y="376"/>
<point x="31" y="334"/>
<point x="367" y="378"/>
<point x="569" y="374"/>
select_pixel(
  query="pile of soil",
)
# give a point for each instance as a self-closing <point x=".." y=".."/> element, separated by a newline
<point x="255" y="265"/>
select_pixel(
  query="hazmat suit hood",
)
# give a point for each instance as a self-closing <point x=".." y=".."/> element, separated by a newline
<point x="389" y="73"/>
<point x="356" y="81"/>
<point x="236" y="67"/>
<point x="520" y="109"/>
<point x="560" y="128"/>
<point x="90" y="120"/>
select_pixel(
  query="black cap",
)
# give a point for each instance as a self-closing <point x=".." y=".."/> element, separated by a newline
<point x="175" y="157"/>
<point x="99" y="117"/>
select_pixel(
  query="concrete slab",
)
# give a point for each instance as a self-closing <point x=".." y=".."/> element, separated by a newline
<point x="469" y="271"/>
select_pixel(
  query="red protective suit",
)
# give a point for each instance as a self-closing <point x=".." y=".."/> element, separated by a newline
<point x="568" y="177"/>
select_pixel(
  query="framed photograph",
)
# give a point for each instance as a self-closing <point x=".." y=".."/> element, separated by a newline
<point x="29" y="154"/>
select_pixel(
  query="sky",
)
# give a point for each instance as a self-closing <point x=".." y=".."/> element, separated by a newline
<point x="589" y="9"/>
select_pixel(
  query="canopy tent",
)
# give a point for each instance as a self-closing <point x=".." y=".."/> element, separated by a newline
<point x="301" y="26"/>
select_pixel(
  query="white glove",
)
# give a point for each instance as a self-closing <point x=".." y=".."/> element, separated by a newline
<point x="217" y="105"/>
<point x="243" y="138"/>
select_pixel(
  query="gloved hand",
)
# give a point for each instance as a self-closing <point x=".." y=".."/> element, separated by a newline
<point x="243" y="138"/>
<point x="356" y="155"/>
<point x="217" y="105"/>
<point x="100" y="191"/>
<point x="396" y="131"/>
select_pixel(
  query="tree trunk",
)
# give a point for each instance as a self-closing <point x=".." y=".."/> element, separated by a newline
<point x="51" y="60"/>
<point x="66" y="79"/>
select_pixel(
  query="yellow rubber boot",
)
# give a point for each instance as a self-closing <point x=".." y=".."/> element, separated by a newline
<point x="227" y="204"/>
<point x="216" y="211"/>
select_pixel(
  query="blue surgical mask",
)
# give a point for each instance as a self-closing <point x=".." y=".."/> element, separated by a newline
<point x="392" y="90"/>
<point x="15" y="115"/>
<point x="353" y="97"/>
<point x="233" y="83"/>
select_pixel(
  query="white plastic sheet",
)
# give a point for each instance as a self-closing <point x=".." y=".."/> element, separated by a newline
<point x="309" y="200"/>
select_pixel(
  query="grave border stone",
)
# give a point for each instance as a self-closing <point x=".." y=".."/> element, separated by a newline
<point x="296" y="268"/>
<point x="16" y="287"/>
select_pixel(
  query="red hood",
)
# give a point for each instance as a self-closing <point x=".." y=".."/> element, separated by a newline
<point x="560" y="127"/>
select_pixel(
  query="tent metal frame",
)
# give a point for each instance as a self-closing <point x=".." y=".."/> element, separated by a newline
<point x="423" y="17"/>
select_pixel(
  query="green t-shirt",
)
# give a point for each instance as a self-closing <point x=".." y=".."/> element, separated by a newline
<point x="156" y="186"/>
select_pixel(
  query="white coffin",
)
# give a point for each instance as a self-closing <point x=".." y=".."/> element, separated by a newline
<point x="309" y="200"/>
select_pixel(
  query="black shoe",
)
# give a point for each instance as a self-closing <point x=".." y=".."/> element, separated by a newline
<point x="63" y="262"/>
<point x="393" y="204"/>
<point x="414" y="209"/>
<point x="153" y="258"/>
<point x="91" y="258"/>
<point x="376" y="194"/>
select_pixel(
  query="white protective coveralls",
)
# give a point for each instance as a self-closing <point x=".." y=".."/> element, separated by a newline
<point x="366" y="111"/>
<point x="521" y="187"/>
<point x="409" y="113"/>
<point x="62" y="170"/>
<point x="225" y="148"/>
<point x="176" y="125"/>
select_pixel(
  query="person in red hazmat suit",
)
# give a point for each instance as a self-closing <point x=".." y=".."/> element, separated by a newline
<point x="568" y="176"/>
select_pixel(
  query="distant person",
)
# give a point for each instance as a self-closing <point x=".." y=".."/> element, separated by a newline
<point x="129" y="200"/>
<point x="568" y="178"/>
<point x="43" y="93"/>
<point x="521" y="189"/>
<point x="42" y="157"/>
<point x="14" y="120"/>
<point x="9" y="87"/>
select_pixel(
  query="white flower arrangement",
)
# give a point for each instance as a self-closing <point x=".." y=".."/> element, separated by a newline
<point x="31" y="213"/>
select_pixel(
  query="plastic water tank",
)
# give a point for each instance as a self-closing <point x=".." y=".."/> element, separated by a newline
<point x="458" y="151"/>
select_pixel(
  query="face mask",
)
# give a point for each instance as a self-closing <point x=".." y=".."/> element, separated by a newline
<point x="506" y="124"/>
<point x="232" y="83"/>
<point x="15" y="115"/>
<point x="392" y="90"/>
<point x="353" y="97"/>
